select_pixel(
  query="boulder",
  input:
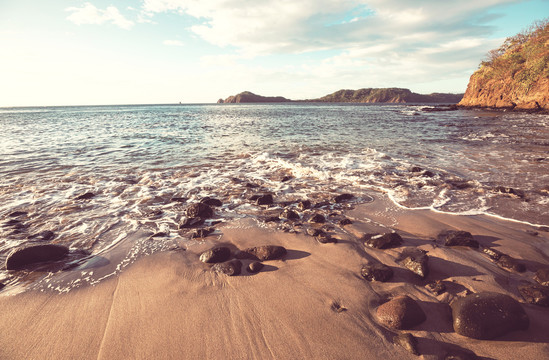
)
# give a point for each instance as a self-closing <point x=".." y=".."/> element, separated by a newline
<point x="289" y="215"/>
<point x="407" y="341"/>
<point x="24" y="256"/>
<point x="216" y="255"/>
<point x="265" y="199"/>
<point x="487" y="315"/>
<point x="542" y="276"/>
<point x="317" y="219"/>
<point x="401" y="313"/>
<point x="534" y="294"/>
<point x="199" y="210"/>
<point x="459" y="238"/>
<point x="416" y="261"/>
<point x="230" y="268"/>
<point x="376" y="272"/>
<point x="383" y="241"/>
<point x="343" y="197"/>
<point x="266" y="252"/>
<point x="255" y="267"/>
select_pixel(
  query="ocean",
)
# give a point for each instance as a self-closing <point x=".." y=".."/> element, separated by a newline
<point x="141" y="164"/>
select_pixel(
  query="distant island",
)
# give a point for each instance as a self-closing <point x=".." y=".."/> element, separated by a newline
<point x="370" y="95"/>
<point x="514" y="76"/>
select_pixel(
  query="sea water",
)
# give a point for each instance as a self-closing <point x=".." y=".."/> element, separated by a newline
<point x="137" y="159"/>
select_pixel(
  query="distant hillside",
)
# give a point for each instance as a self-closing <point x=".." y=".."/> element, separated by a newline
<point x="516" y="75"/>
<point x="389" y="95"/>
<point x="249" y="97"/>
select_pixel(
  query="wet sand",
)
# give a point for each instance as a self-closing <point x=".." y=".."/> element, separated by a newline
<point x="311" y="304"/>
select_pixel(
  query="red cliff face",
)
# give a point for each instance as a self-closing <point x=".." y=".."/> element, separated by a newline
<point x="516" y="77"/>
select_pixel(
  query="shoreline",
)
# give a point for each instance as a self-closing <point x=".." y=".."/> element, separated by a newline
<point x="312" y="303"/>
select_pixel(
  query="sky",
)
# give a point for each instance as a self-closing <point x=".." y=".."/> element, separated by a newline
<point x="94" y="52"/>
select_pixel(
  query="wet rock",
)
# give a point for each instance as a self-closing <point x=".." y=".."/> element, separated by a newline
<point x="18" y="213"/>
<point x="45" y="235"/>
<point x="265" y="199"/>
<point x="534" y="294"/>
<point x="286" y="178"/>
<point x="317" y="219"/>
<point x="343" y="197"/>
<point x="459" y="238"/>
<point x="24" y="256"/>
<point x="315" y="232"/>
<point x="487" y="315"/>
<point x="85" y="196"/>
<point x="407" y="341"/>
<point x="266" y="252"/>
<point x="416" y="261"/>
<point x="376" y="272"/>
<point x="428" y="173"/>
<point x="458" y="184"/>
<point x="304" y="205"/>
<point x="199" y="210"/>
<point x="230" y="268"/>
<point x="383" y="241"/>
<point x="160" y="234"/>
<point x="14" y="223"/>
<point x="401" y="313"/>
<point x="324" y="238"/>
<point x="289" y="215"/>
<point x="509" y="191"/>
<point x="492" y="253"/>
<point x="542" y="276"/>
<point x="345" y="221"/>
<point x="272" y="219"/>
<point x="211" y="201"/>
<point x="436" y="287"/>
<point x="255" y="267"/>
<point x="189" y="222"/>
<point x="508" y="262"/>
<point x="178" y="199"/>
<point x="251" y="185"/>
<point x="532" y="232"/>
<point x="321" y="204"/>
<point x="415" y="169"/>
<point x="202" y="233"/>
<point x="2" y="286"/>
<point x="216" y="255"/>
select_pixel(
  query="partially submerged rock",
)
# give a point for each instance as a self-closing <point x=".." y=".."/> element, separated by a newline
<point x="383" y="241"/>
<point x="416" y="261"/>
<point x="22" y="257"/>
<point x="254" y="267"/>
<point x="317" y="219"/>
<point x="376" y="272"/>
<point x="436" y="287"/>
<point x="266" y="252"/>
<point x="199" y="210"/>
<point x="343" y="197"/>
<point x="85" y="196"/>
<point x="459" y="238"/>
<point x="211" y="201"/>
<point x="407" y="341"/>
<point x="216" y="255"/>
<point x="488" y="315"/>
<point x="230" y="268"/>
<point x="324" y="238"/>
<point x="289" y="215"/>
<point x="401" y="313"/>
<point x="542" y="276"/>
<point x="265" y="199"/>
<point x="534" y="294"/>
<point x="304" y="205"/>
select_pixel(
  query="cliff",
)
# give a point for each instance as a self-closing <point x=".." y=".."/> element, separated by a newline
<point x="249" y="97"/>
<point x="514" y="76"/>
<point x="389" y="95"/>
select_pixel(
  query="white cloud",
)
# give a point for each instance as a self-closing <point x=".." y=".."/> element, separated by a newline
<point x="172" y="43"/>
<point x="89" y="14"/>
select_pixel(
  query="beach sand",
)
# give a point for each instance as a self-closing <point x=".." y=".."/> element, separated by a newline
<point x="311" y="304"/>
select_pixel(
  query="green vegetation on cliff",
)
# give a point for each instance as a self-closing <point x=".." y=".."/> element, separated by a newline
<point x="516" y="75"/>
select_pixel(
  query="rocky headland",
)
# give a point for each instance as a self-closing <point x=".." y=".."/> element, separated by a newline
<point x="249" y="97"/>
<point x="514" y="76"/>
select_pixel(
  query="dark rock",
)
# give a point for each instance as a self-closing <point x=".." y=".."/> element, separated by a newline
<point x="317" y="218"/>
<point x="345" y="221"/>
<point x="18" y="213"/>
<point x="230" y="268"/>
<point x="21" y="257"/>
<point x="251" y="186"/>
<point x="459" y="238"/>
<point x="509" y="191"/>
<point x="416" y="261"/>
<point x="320" y="204"/>
<point x="508" y="262"/>
<point x="532" y="232"/>
<point x="303" y="205"/>
<point x="189" y="222"/>
<point x="415" y="169"/>
<point x="534" y="294"/>
<point x="407" y="341"/>
<point x="2" y="286"/>
<point x="179" y="199"/>
<point x="315" y="232"/>
<point x="488" y="315"/>
<point x="202" y="233"/>
<point x="13" y="223"/>
<point x="160" y="234"/>
<point x="324" y="238"/>
<point x="211" y="201"/>
<point x="542" y="276"/>
<point x="436" y="287"/>
<point x="85" y="196"/>
<point x="255" y="267"/>
<point x="45" y="235"/>
<point x="265" y="199"/>
<point x="343" y="197"/>
<point x="383" y="241"/>
<point x="458" y="184"/>
<point x="272" y="219"/>
<point x="543" y="228"/>
<point x="376" y="272"/>
<point x="286" y="178"/>
<point x="401" y="313"/>
<point x="289" y="215"/>
<point x="266" y="252"/>
<point x="153" y="214"/>
<point x="428" y="173"/>
<point x="199" y="210"/>
<point x="216" y="255"/>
